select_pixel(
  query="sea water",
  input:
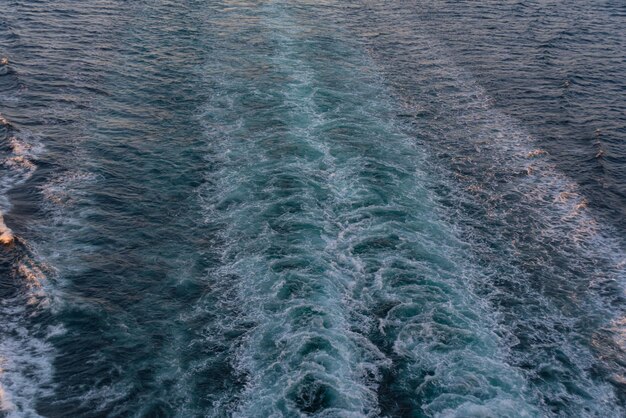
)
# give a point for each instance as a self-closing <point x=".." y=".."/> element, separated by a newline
<point x="333" y="209"/>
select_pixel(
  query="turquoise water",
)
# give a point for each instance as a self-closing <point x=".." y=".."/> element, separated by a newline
<point x="299" y="208"/>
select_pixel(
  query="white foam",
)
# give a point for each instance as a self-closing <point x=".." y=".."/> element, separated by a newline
<point x="552" y="201"/>
<point x="25" y="361"/>
<point x="338" y="201"/>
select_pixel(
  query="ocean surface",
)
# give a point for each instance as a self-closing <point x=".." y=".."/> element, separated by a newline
<point x="312" y="208"/>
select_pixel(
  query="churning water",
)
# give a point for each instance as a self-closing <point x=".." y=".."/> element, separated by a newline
<point x="312" y="208"/>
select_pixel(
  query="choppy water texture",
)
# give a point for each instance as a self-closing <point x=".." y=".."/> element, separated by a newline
<point x="324" y="208"/>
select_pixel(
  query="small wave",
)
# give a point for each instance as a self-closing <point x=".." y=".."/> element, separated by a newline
<point x="20" y="168"/>
<point x="23" y="149"/>
<point x="6" y="235"/>
<point x="5" y="122"/>
<point x="18" y="147"/>
<point x="61" y="191"/>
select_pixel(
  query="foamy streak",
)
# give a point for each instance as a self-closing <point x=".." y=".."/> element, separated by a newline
<point x="302" y="355"/>
<point x="520" y="189"/>
<point x="25" y="368"/>
<point x="323" y="215"/>
<point x="21" y="168"/>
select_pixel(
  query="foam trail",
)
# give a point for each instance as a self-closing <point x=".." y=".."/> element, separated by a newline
<point x="25" y="353"/>
<point x="332" y="245"/>
<point x="560" y="287"/>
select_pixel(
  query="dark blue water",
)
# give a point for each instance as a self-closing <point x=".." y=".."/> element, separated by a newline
<point x="335" y="209"/>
